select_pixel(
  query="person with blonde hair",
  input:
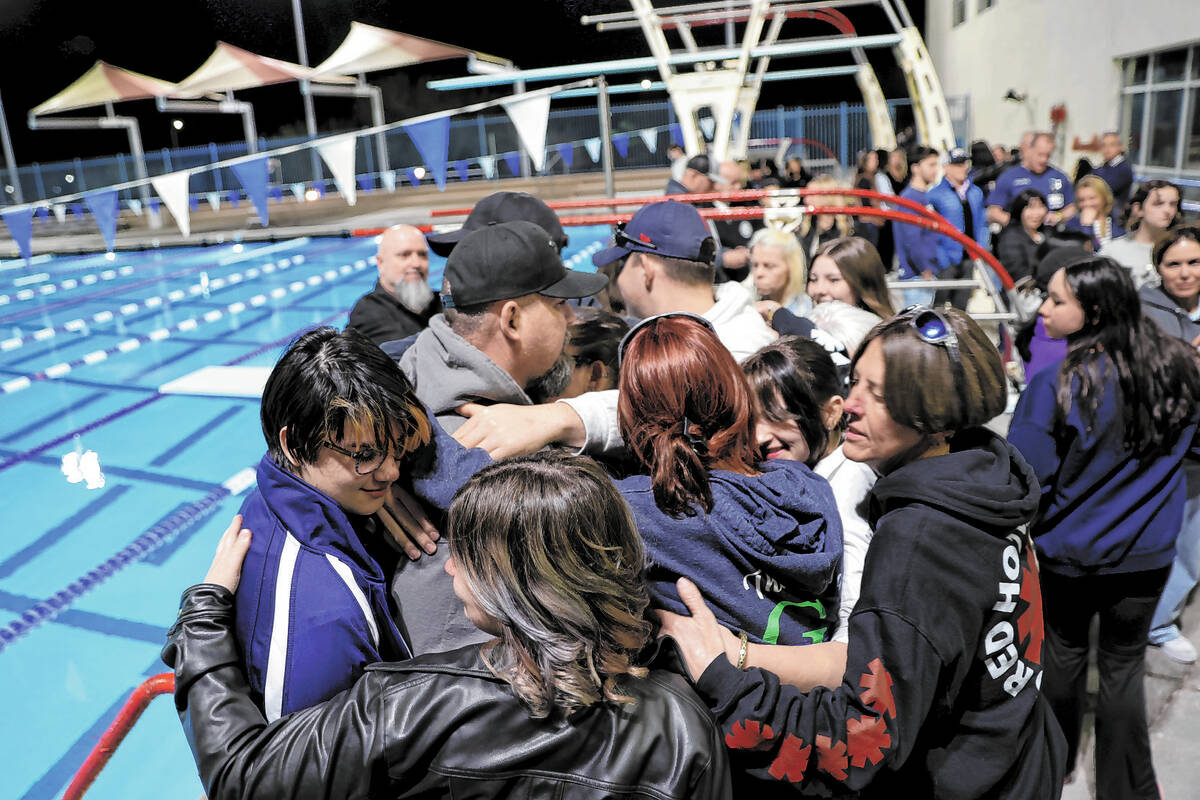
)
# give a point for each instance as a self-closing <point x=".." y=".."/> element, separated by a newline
<point x="778" y="270"/>
<point x="816" y="230"/>
<point x="1094" y="199"/>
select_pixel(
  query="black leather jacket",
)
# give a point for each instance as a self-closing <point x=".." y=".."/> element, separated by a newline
<point x="441" y="725"/>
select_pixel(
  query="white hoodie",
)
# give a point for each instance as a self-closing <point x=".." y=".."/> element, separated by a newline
<point x="737" y="324"/>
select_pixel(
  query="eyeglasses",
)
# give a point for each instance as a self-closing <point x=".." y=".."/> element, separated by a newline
<point x="648" y="321"/>
<point x="621" y="238"/>
<point x="932" y="327"/>
<point x="366" y="459"/>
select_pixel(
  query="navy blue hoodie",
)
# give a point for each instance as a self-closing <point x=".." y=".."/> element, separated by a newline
<point x="1103" y="510"/>
<point x="940" y="697"/>
<point x="766" y="556"/>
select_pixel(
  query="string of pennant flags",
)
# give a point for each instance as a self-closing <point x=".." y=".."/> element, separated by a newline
<point x="430" y="135"/>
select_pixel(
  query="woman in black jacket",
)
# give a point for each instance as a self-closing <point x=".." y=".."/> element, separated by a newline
<point x="940" y="695"/>
<point x="1016" y="246"/>
<point x="546" y="558"/>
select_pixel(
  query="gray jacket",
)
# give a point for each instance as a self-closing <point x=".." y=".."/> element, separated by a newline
<point x="1158" y="306"/>
<point x="446" y="371"/>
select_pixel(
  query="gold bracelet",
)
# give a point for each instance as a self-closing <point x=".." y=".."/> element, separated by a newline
<point x="743" y="649"/>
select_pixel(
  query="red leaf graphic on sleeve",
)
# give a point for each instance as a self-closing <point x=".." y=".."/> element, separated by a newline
<point x="866" y="739"/>
<point x="831" y="757"/>
<point x="792" y="760"/>
<point x="878" y="688"/>
<point x="1030" y="622"/>
<point x="748" y="734"/>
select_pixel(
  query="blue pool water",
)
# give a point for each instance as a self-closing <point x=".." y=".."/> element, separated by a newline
<point x="90" y="577"/>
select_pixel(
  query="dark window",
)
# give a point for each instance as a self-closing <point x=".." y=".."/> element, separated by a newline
<point x="1191" y="155"/>
<point x="1165" y="111"/>
<point x="960" y="12"/>
<point x="1133" y="113"/>
<point x="1170" y="66"/>
<point x="1137" y="70"/>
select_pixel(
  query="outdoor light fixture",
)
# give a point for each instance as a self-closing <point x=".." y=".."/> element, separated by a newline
<point x="646" y="83"/>
<point x="419" y="172"/>
<point x="1015" y="96"/>
<point x="312" y="195"/>
<point x="177" y="124"/>
<point x="69" y="178"/>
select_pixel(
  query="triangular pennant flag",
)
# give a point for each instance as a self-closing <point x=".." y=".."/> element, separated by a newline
<point x="709" y="126"/>
<point x="20" y="225"/>
<point x="253" y="176"/>
<point x="275" y="193"/>
<point x="432" y="139"/>
<point x="60" y="212"/>
<point x="529" y="117"/>
<point x="153" y="205"/>
<point x="193" y="202"/>
<point x="514" y="162"/>
<point x="676" y="133"/>
<point x="338" y="155"/>
<point x="488" y="165"/>
<point x="621" y="142"/>
<point x="650" y="138"/>
<point x="593" y="148"/>
<point x="319" y="188"/>
<point x="463" y="168"/>
<point x="105" y="207"/>
<point x="214" y="200"/>
<point x="366" y="183"/>
<point x="388" y="179"/>
<point x="297" y="190"/>
<point x="76" y="209"/>
<point x="413" y="178"/>
<point x="172" y="189"/>
<point x="566" y="151"/>
<point x="42" y="212"/>
<point x="136" y="207"/>
<point x="234" y="198"/>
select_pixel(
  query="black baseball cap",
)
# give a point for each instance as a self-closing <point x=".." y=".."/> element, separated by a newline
<point x="511" y="259"/>
<point x="502" y="207"/>
<point x="702" y="165"/>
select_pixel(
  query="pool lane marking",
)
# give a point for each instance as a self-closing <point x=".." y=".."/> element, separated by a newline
<point x="96" y="356"/>
<point x="102" y="317"/>
<point x="19" y="458"/>
<point x="150" y="540"/>
<point x="109" y="273"/>
<point x="22" y="313"/>
<point x="51" y="537"/>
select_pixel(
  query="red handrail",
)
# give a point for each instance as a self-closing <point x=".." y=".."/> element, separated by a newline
<point x="163" y="683"/>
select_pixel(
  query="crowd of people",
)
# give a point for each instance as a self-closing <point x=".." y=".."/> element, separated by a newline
<point x="716" y="519"/>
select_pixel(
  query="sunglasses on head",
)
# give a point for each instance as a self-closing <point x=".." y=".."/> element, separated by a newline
<point x="932" y="327"/>
<point x="648" y="321"/>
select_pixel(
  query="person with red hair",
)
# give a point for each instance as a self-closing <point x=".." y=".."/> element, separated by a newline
<point x="763" y="540"/>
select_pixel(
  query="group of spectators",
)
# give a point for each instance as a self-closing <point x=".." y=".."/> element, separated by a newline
<point x="708" y="522"/>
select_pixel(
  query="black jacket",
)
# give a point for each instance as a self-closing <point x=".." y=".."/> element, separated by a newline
<point x="940" y="697"/>
<point x="1016" y="251"/>
<point x="440" y="725"/>
<point x="382" y="318"/>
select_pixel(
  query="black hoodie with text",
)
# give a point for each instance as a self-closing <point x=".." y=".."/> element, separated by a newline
<point x="941" y="695"/>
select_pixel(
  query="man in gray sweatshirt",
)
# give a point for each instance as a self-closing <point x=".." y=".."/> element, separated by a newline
<point x="499" y="340"/>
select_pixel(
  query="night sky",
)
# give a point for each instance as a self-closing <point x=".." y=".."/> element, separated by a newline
<point x="46" y="44"/>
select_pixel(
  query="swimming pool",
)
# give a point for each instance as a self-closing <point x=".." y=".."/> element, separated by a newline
<point x="91" y="568"/>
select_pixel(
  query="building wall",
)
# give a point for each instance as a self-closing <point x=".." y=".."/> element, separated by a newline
<point x="1055" y="52"/>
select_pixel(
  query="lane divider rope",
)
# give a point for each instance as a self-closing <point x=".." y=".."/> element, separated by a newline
<point x="96" y="356"/>
<point x="102" y="317"/>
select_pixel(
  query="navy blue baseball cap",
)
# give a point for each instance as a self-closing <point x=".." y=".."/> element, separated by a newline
<point x="669" y="228"/>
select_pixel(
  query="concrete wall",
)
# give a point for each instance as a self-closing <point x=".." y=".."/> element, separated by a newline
<point x="1055" y="52"/>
